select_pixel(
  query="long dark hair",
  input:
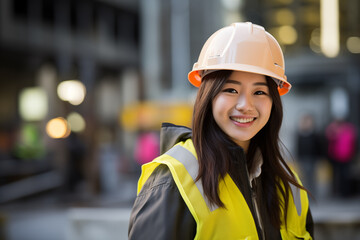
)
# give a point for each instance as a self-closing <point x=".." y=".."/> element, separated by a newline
<point x="212" y="144"/>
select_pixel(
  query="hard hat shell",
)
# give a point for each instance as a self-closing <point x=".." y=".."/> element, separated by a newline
<point x="242" y="47"/>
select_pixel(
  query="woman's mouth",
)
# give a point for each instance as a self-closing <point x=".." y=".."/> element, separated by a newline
<point x="242" y="120"/>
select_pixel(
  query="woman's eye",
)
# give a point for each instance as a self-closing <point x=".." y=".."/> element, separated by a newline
<point x="260" y="93"/>
<point x="230" y="90"/>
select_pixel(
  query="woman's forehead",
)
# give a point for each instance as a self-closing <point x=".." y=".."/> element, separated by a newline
<point x="240" y="76"/>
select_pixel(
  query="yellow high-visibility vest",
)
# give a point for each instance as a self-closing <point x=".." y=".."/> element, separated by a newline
<point x="233" y="222"/>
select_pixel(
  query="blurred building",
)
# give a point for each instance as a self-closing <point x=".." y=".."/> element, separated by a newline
<point x="43" y="44"/>
<point x="321" y="44"/>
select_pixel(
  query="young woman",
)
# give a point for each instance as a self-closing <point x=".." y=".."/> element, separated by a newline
<point x="226" y="177"/>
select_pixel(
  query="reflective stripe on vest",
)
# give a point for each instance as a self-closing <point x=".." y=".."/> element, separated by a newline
<point x="188" y="159"/>
<point x="296" y="214"/>
<point x="234" y="222"/>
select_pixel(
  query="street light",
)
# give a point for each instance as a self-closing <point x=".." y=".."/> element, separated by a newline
<point x="72" y="91"/>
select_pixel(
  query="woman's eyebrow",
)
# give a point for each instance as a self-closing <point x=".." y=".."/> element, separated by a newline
<point x="233" y="81"/>
<point x="261" y="84"/>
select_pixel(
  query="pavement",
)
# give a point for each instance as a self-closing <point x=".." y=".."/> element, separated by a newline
<point x="55" y="216"/>
<point x="337" y="218"/>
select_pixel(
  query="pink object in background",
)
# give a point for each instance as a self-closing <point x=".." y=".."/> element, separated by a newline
<point x="147" y="148"/>
<point x="342" y="140"/>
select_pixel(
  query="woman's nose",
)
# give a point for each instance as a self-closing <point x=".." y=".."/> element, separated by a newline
<point x="244" y="103"/>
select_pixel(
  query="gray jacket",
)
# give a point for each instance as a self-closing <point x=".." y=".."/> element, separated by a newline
<point x="159" y="211"/>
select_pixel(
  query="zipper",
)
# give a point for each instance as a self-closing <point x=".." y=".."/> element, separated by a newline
<point x="255" y="206"/>
<point x="254" y="201"/>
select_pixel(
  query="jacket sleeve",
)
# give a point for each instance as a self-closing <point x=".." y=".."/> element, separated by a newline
<point x="159" y="211"/>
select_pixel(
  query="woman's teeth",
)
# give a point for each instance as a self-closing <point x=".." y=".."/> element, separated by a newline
<point x="242" y="120"/>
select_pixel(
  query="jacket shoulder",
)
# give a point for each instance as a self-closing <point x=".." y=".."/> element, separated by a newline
<point x="159" y="211"/>
<point x="160" y="178"/>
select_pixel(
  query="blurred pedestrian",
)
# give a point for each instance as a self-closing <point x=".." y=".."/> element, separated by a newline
<point x="74" y="175"/>
<point x="341" y="137"/>
<point x="308" y="150"/>
<point x="226" y="178"/>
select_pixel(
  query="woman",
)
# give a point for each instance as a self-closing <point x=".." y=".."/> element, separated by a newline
<point x="226" y="178"/>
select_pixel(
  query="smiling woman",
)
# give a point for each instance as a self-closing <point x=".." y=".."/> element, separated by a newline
<point x="226" y="177"/>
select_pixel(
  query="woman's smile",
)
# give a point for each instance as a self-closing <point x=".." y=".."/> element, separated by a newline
<point x="242" y="119"/>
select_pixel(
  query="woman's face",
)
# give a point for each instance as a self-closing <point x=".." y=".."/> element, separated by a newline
<point x="243" y="106"/>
